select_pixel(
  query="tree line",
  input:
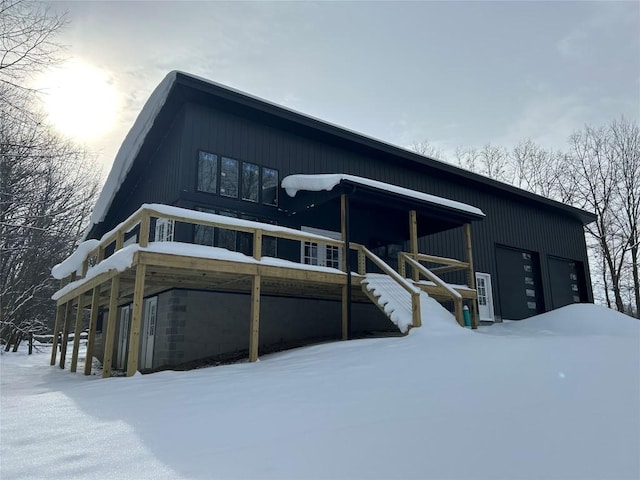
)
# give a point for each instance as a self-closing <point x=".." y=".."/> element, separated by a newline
<point x="47" y="183"/>
<point x="598" y="171"/>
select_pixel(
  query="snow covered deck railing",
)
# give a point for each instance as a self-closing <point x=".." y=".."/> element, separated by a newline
<point x="91" y="252"/>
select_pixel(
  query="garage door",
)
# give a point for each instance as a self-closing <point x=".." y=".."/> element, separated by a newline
<point x="519" y="283"/>
<point x="567" y="282"/>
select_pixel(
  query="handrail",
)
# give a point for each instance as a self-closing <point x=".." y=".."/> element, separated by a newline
<point x="452" y="262"/>
<point x="455" y="296"/>
<point x="412" y="290"/>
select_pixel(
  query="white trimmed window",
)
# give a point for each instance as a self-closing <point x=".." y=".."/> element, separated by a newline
<point x="319" y="253"/>
<point x="164" y="230"/>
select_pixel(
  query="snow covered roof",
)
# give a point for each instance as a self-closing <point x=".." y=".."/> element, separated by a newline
<point x="130" y="147"/>
<point x="315" y="183"/>
<point x="143" y="124"/>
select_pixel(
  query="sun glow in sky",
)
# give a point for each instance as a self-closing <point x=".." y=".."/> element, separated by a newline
<point x="79" y="100"/>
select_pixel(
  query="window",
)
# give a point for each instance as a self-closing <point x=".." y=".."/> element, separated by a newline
<point x="229" y="177"/>
<point x="332" y="256"/>
<point x="203" y="234"/>
<point x="310" y="255"/>
<point x="164" y="230"/>
<point x="207" y="172"/>
<point x="269" y="186"/>
<point x="250" y="182"/>
<point x="321" y="254"/>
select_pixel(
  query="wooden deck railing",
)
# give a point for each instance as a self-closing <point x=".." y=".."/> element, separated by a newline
<point x="406" y="258"/>
<point x="144" y="216"/>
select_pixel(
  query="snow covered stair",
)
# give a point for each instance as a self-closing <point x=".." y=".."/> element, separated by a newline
<point x="391" y="297"/>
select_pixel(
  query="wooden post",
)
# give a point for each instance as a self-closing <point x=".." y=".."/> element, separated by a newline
<point x="346" y="265"/>
<point x="471" y="275"/>
<point x="145" y="225"/>
<point x="413" y="239"/>
<point x="416" y="310"/>
<point x="56" y="329"/>
<point x="93" y="320"/>
<point x="111" y="326"/>
<point x="65" y="334"/>
<point x="257" y="244"/>
<point x="76" y="336"/>
<point x="362" y="263"/>
<point x="343" y="232"/>
<point x="345" y="313"/>
<point x="119" y="240"/>
<point x="136" y="320"/>
<point x="254" y="336"/>
<point x="85" y="267"/>
<point x="402" y="266"/>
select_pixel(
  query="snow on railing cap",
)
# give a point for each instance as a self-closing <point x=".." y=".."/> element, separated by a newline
<point x="73" y="263"/>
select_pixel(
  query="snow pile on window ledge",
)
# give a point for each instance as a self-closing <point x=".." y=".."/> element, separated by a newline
<point x="315" y="183"/>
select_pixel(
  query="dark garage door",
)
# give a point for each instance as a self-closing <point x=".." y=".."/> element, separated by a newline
<point x="567" y="282"/>
<point x="519" y="283"/>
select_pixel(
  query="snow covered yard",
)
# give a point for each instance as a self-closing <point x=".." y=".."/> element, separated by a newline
<point x="555" y="396"/>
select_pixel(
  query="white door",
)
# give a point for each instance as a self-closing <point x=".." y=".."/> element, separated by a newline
<point x="485" y="296"/>
<point x="123" y="337"/>
<point x="149" y="331"/>
<point x="320" y="254"/>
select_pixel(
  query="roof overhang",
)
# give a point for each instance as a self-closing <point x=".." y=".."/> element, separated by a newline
<point x="378" y="211"/>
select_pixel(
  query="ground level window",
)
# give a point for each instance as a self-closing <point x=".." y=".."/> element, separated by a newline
<point x="207" y="172"/>
<point x="318" y="253"/>
<point x="229" y="177"/>
<point x="250" y="182"/>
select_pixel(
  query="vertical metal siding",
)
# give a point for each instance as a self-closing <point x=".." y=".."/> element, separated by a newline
<point x="510" y="222"/>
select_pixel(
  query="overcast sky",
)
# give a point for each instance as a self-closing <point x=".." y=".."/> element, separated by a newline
<point x="455" y="73"/>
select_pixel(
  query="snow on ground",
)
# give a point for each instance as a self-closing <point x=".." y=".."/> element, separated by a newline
<point x="555" y="396"/>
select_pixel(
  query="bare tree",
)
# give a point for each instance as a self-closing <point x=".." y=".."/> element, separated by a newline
<point x="593" y="167"/>
<point x="46" y="185"/>
<point x="491" y="161"/>
<point x="46" y="191"/>
<point x="27" y="30"/>
<point x="625" y="144"/>
<point x="541" y="171"/>
<point x="427" y="149"/>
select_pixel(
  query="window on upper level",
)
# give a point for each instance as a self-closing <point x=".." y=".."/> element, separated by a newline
<point x="229" y="177"/>
<point x="250" y="182"/>
<point x="269" y="186"/>
<point x="207" y="172"/>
